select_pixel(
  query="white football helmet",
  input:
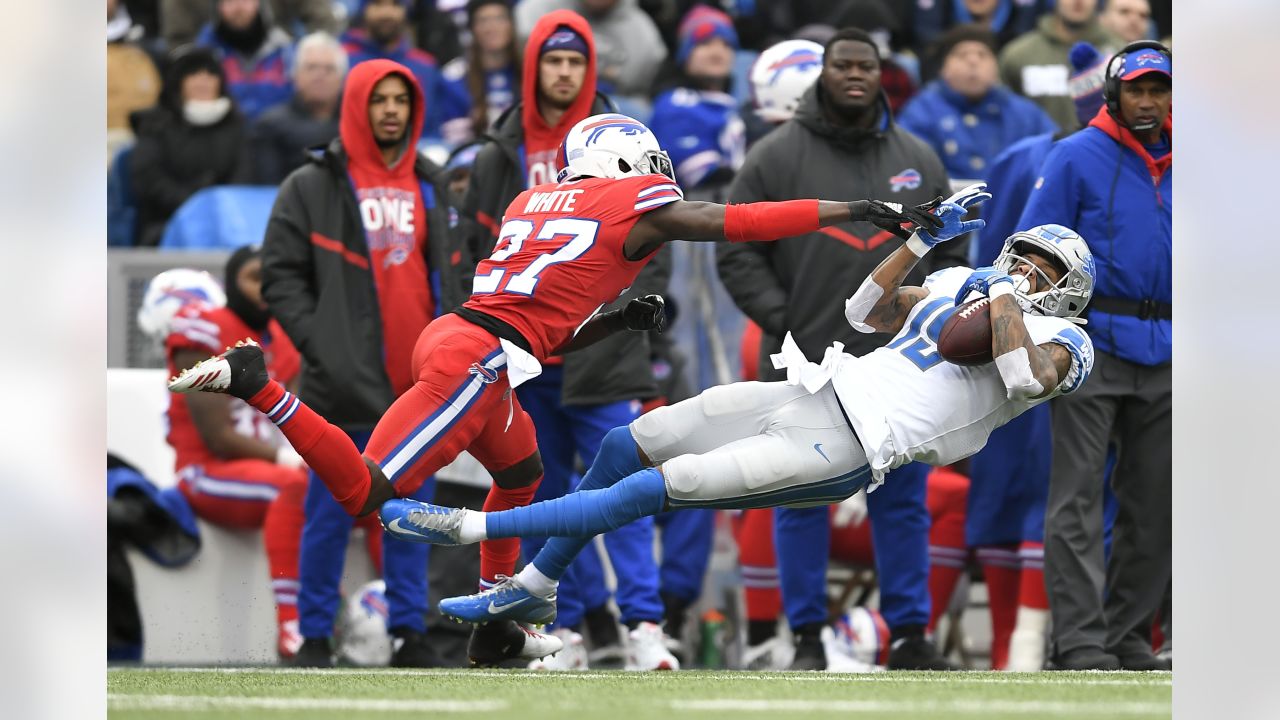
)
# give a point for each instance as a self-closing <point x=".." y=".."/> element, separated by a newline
<point x="612" y="146"/>
<point x="362" y="627"/>
<point x="169" y="291"/>
<point x="858" y="641"/>
<point x="781" y="75"/>
<point x="1068" y="297"/>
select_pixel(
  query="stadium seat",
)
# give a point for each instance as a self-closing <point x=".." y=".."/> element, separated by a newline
<point x="122" y="211"/>
<point x="222" y="217"/>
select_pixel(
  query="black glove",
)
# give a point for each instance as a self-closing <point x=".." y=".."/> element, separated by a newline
<point x="645" y="313"/>
<point x="891" y="216"/>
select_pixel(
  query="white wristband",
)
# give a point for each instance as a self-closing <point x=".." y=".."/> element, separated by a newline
<point x="289" y="457"/>
<point x="999" y="290"/>
<point x="917" y="246"/>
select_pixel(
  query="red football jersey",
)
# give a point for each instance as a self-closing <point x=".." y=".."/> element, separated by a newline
<point x="207" y="329"/>
<point x="559" y="255"/>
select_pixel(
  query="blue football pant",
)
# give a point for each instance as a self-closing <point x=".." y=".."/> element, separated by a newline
<point x="900" y="533"/>
<point x="324" y="550"/>
<point x="687" y="536"/>
<point x="565" y="432"/>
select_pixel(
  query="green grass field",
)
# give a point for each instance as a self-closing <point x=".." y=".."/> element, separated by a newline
<point x="155" y="694"/>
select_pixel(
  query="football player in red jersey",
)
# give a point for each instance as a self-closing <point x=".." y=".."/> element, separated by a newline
<point x="565" y="249"/>
<point x="230" y="463"/>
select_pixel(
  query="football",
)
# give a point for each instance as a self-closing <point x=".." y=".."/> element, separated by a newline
<point x="966" y="336"/>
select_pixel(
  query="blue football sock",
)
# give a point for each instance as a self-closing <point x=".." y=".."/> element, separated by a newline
<point x="617" y="458"/>
<point x="585" y="513"/>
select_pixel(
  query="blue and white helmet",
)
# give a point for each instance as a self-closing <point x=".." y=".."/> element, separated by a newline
<point x="612" y="146"/>
<point x="169" y="291"/>
<point x="781" y="75"/>
<point x="1068" y="297"/>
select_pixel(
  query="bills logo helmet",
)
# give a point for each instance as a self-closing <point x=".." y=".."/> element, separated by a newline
<point x="169" y="291"/>
<point x="612" y="146"/>
<point x="780" y="76"/>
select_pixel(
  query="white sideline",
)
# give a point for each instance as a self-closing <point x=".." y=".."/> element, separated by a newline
<point x="1072" y="709"/>
<point x="963" y="678"/>
<point x="207" y="703"/>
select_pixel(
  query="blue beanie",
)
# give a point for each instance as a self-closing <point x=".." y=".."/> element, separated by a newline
<point x="564" y="38"/>
<point x="700" y="25"/>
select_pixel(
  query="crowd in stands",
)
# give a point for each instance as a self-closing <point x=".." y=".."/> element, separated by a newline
<point x="929" y="95"/>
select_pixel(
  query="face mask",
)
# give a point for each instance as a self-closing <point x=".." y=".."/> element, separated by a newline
<point x="206" y="112"/>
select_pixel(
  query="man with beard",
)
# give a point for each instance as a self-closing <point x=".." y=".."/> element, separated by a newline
<point x="380" y="30"/>
<point x="580" y="398"/>
<point x="358" y="260"/>
<point x="256" y="55"/>
<point x="1037" y="64"/>
<point x="843" y="140"/>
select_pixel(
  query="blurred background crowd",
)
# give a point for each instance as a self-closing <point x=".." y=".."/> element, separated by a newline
<point x="1060" y="527"/>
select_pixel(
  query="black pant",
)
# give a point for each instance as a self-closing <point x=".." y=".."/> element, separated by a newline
<point x="1132" y="405"/>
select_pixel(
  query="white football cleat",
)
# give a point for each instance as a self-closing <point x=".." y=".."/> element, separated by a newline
<point x="240" y="371"/>
<point x="647" y="649"/>
<point x="572" y="657"/>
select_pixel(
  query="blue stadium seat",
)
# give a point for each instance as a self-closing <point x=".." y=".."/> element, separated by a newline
<point x="122" y="212"/>
<point x="222" y="217"/>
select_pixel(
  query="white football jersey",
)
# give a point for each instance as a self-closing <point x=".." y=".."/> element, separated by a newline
<point x="906" y="403"/>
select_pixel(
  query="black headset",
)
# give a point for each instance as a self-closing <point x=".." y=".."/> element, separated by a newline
<point x="1111" y="79"/>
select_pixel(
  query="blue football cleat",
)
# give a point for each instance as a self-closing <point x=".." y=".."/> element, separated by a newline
<point x="508" y="600"/>
<point x="422" y="522"/>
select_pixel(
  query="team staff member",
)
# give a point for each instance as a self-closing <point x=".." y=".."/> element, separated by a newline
<point x="1113" y="181"/>
<point x="358" y="259"/>
<point x="600" y="387"/>
<point x="842" y="141"/>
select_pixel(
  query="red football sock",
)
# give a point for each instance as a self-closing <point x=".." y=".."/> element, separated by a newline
<point x="754" y="534"/>
<point x="327" y="449"/>
<point x="282" y="539"/>
<point x="498" y="557"/>
<point x="1031" y="592"/>
<point x="947" y="494"/>
<point x="1000" y="566"/>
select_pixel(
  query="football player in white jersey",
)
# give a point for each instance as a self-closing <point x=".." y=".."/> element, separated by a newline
<point x="829" y="429"/>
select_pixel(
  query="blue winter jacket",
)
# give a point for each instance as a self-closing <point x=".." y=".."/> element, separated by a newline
<point x="1009" y="179"/>
<point x="1104" y="184"/>
<point x="969" y="135"/>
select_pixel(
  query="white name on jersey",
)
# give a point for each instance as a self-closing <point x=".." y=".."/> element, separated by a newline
<point x="554" y="201"/>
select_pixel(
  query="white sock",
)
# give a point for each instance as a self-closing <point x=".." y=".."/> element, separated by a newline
<point x="1026" y="644"/>
<point x="535" y="582"/>
<point x="474" y="527"/>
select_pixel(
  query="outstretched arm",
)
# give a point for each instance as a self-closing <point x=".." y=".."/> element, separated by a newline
<point x="704" y="221"/>
<point x="881" y="304"/>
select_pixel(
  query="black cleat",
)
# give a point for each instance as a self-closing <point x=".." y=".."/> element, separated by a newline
<point x="502" y="640"/>
<point x="916" y="652"/>
<point x="1143" y="661"/>
<point x="1085" y="658"/>
<point x="314" y="653"/>
<point x="240" y="371"/>
<point x="810" y="654"/>
<point x="412" y="650"/>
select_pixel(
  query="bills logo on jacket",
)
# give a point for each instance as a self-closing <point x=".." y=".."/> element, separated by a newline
<point x="908" y="179"/>
<point x="387" y="215"/>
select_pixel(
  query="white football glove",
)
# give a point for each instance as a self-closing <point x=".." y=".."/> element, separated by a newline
<point x="851" y="511"/>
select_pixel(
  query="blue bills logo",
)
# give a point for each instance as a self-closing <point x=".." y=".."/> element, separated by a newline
<point x="908" y="179"/>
